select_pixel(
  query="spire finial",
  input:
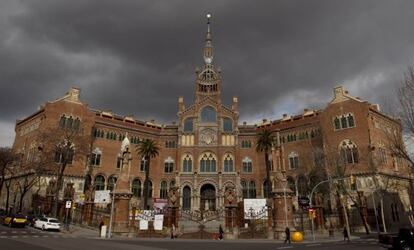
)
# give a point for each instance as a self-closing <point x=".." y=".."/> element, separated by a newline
<point x="208" y="48"/>
<point x="208" y="22"/>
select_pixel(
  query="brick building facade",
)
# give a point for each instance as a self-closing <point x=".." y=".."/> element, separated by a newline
<point x="207" y="149"/>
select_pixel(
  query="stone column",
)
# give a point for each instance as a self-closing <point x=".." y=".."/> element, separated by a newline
<point x="122" y="192"/>
<point x="282" y="205"/>
<point x="173" y="208"/>
<point x="230" y="203"/>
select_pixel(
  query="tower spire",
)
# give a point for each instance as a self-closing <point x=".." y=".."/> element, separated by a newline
<point x="208" y="48"/>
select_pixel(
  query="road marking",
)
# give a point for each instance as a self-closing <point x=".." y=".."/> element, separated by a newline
<point x="3" y="237"/>
<point x="14" y="236"/>
<point x="3" y="232"/>
<point x="285" y="247"/>
<point x="36" y="236"/>
<point x="312" y="245"/>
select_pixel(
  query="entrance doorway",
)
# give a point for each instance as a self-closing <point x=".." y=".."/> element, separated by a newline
<point x="207" y="198"/>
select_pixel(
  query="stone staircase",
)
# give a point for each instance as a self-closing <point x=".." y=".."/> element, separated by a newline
<point x="194" y="230"/>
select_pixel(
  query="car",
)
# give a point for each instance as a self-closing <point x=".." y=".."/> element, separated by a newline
<point x="403" y="240"/>
<point x="30" y="220"/>
<point x="46" y="223"/>
<point x="15" y="220"/>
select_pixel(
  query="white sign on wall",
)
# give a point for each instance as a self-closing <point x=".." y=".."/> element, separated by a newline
<point x="143" y="225"/>
<point x="158" y="221"/>
<point x="255" y="209"/>
<point x="102" y="196"/>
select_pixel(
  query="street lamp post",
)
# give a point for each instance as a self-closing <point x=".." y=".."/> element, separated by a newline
<point x="311" y="195"/>
<point x="286" y="215"/>
<point x="112" y="212"/>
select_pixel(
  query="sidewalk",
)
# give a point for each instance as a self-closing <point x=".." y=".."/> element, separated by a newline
<point x="81" y="231"/>
<point x="326" y="238"/>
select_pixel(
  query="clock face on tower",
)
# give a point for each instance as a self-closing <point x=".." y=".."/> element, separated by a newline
<point x="208" y="137"/>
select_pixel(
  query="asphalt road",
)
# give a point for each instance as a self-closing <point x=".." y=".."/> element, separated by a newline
<point x="33" y="239"/>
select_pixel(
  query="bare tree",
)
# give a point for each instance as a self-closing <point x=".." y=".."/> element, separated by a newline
<point x="24" y="183"/>
<point x="7" y="157"/>
<point x="406" y="113"/>
<point x="59" y="148"/>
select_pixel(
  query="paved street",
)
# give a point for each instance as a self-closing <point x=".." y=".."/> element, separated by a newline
<point x="30" y="238"/>
<point x="30" y="232"/>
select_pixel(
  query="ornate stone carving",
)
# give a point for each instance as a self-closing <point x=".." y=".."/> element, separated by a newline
<point x="173" y="197"/>
<point x="208" y="136"/>
<point x="230" y="197"/>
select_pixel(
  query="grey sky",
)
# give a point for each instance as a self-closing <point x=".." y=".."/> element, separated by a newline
<point x="137" y="57"/>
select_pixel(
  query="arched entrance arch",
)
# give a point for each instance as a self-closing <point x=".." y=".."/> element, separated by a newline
<point x="207" y="197"/>
<point x="186" y="198"/>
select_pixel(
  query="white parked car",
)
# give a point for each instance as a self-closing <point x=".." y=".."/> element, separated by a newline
<point x="46" y="223"/>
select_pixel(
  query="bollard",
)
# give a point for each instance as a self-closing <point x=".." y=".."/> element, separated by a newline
<point x="103" y="231"/>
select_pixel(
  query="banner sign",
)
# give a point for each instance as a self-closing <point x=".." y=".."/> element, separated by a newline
<point x="255" y="209"/>
<point x="160" y="205"/>
<point x="147" y="215"/>
<point x="102" y="196"/>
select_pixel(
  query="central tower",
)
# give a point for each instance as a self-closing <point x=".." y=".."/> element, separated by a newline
<point x="208" y="79"/>
<point x="207" y="139"/>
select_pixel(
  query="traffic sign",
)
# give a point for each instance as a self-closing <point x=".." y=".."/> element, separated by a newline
<point x="312" y="213"/>
<point x="303" y="202"/>
<point x="68" y="204"/>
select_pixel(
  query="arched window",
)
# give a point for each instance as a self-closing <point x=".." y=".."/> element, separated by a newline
<point x="293" y="160"/>
<point x="227" y="124"/>
<point x="168" y="165"/>
<point x="351" y="122"/>
<point x="246" y="144"/>
<point x="337" y="123"/>
<point x="119" y="161"/>
<point x="344" y="123"/>
<point x="208" y="163"/>
<point x="88" y="182"/>
<point x="63" y="154"/>
<point x="291" y="184"/>
<point x="187" y="163"/>
<point x="188" y="125"/>
<point x="76" y="124"/>
<point x="252" y="189"/>
<point x="144" y="164"/>
<point x="349" y="152"/>
<point x="266" y="193"/>
<point x="136" y="188"/>
<point x="163" y="190"/>
<point x="245" y="189"/>
<point x="208" y="114"/>
<point x="111" y="183"/>
<point x="96" y="157"/>
<point x="247" y="165"/>
<point x="228" y="163"/>
<point x="62" y="122"/>
<point x="172" y="183"/>
<point x="99" y="182"/>
<point x="69" y="122"/>
<point x="186" y="198"/>
<point x="382" y="153"/>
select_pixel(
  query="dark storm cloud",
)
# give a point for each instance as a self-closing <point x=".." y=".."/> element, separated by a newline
<point x="137" y="57"/>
